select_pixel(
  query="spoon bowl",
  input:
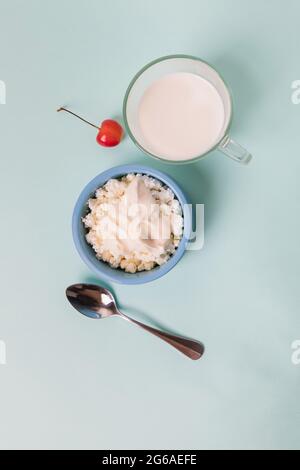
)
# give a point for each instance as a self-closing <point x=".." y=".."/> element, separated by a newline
<point x="91" y="300"/>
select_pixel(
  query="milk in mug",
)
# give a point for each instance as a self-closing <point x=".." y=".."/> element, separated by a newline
<point x="181" y="116"/>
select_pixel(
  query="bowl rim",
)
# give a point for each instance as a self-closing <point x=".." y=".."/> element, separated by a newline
<point x="83" y="247"/>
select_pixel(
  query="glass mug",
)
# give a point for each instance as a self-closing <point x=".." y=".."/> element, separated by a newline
<point x="171" y="65"/>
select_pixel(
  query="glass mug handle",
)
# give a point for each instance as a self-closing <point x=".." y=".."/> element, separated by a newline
<point x="234" y="150"/>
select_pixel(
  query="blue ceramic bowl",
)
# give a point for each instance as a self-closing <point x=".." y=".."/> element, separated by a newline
<point x="102" y="269"/>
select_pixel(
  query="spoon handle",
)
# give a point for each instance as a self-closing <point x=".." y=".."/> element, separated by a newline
<point x="189" y="347"/>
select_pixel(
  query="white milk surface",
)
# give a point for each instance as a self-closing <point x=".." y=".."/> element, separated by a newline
<point x="181" y="116"/>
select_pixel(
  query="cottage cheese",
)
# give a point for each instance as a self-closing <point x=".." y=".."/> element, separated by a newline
<point x="135" y="223"/>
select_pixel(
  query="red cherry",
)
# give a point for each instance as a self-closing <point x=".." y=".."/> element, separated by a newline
<point x="110" y="133"/>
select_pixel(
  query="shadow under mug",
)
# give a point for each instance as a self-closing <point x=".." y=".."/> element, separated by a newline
<point x="174" y="64"/>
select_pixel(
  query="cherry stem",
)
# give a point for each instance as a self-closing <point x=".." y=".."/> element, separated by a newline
<point x="76" y="115"/>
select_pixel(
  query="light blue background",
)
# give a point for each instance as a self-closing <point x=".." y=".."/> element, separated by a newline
<point x="71" y="382"/>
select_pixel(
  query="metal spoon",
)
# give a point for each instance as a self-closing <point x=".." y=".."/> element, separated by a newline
<point x="96" y="302"/>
